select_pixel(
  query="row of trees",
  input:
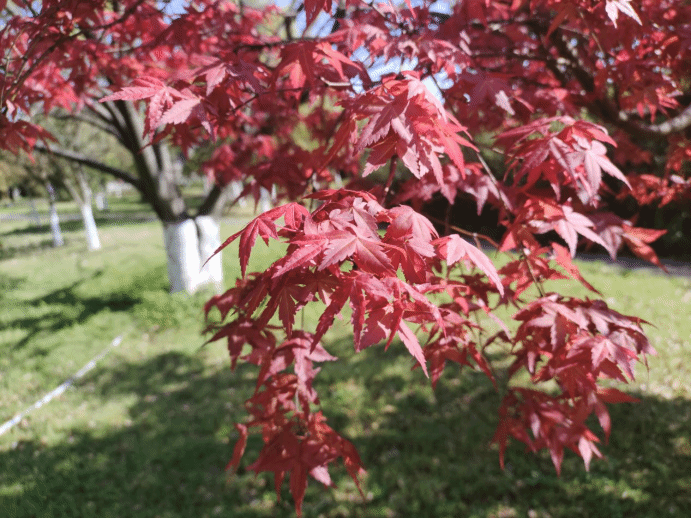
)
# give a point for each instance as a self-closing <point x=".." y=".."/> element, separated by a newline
<point x="48" y="173"/>
<point x="569" y="96"/>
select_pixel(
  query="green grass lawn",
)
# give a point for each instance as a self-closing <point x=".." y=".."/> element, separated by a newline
<point x="149" y="430"/>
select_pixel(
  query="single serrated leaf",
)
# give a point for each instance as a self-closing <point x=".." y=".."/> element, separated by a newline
<point x="180" y="111"/>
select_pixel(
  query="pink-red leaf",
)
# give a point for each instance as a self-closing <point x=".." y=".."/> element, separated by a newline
<point x="453" y="248"/>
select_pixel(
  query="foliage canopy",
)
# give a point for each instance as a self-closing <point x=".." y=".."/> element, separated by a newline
<point x="568" y="93"/>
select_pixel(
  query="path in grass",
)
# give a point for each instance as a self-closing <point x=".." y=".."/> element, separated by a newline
<point x="149" y="430"/>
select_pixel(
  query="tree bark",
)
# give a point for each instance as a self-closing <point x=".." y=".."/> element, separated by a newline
<point x="189" y="244"/>
<point x="189" y="241"/>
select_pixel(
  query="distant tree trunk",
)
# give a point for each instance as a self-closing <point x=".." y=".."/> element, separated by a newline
<point x="101" y="199"/>
<point x="82" y="196"/>
<point x="92" y="235"/>
<point x="34" y="211"/>
<point x="53" y="217"/>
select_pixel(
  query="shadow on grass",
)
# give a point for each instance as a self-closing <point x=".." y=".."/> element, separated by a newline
<point x="8" y="283"/>
<point x="67" y="307"/>
<point x="25" y="250"/>
<point x="427" y="453"/>
<point x="74" y="224"/>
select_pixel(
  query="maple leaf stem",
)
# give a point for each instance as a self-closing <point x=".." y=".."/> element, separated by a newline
<point x="390" y="178"/>
<point x="592" y="33"/>
<point x="539" y="284"/>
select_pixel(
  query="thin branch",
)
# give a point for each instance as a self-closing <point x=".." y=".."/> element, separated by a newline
<point x="390" y="178"/>
<point x="459" y="230"/>
<point x="107" y="128"/>
<point x="677" y="124"/>
<point x="607" y="110"/>
<point x="539" y="285"/>
<point x="92" y="163"/>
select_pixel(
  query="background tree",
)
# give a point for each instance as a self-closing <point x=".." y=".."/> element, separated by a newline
<point x="74" y="136"/>
<point x="64" y="58"/>
<point x="20" y="169"/>
<point x="547" y="86"/>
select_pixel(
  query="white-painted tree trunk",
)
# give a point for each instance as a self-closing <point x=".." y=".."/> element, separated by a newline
<point x="55" y="227"/>
<point x="236" y="187"/>
<point x="34" y="211"/>
<point x="53" y="217"/>
<point x="188" y="245"/>
<point x="267" y="199"/>
<point x="84" y="201"/>
<point x="101" y="201"/>
<point x="92" y="235"/>
<point x="209" y="236"/>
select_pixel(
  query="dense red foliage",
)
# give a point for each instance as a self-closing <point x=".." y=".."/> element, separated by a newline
<point x="550" y="86"/>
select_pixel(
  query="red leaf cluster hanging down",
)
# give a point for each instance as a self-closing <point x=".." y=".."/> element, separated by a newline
<point x="337" y="254"/>
<point x="573" y="343"/>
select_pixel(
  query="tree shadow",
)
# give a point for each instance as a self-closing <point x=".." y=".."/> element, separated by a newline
<point x="28" y="249"/>
<point x="427" y="453"/>
<point x="8" y="283"/>
<point x="75" y="224"/>
<point x="167" y="459"/>
<point x="68" y="308"/>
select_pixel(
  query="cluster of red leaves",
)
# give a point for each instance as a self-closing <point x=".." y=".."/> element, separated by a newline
<point x="573" y="343"/>
<point x="404" y="120"/>
<point x="387" y="264"/>
<point x="650" y="189"/>
<point x="341" y="253"/>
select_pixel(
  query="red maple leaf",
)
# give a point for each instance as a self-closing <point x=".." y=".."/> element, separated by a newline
<point x="453" y="248"/>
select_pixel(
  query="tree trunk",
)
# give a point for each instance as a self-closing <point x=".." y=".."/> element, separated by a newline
<point x="101" y="201"/>
<point x="209" y="235"/>
<point x="188" y="241"/>
<point x="92" y="235"/>
<point x="189" y="244"/>
<point x="54" y="218"/>
<point x="34" y="211"/>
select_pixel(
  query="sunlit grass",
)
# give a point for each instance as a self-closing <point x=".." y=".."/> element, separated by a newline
<point x="149" y="430"/>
